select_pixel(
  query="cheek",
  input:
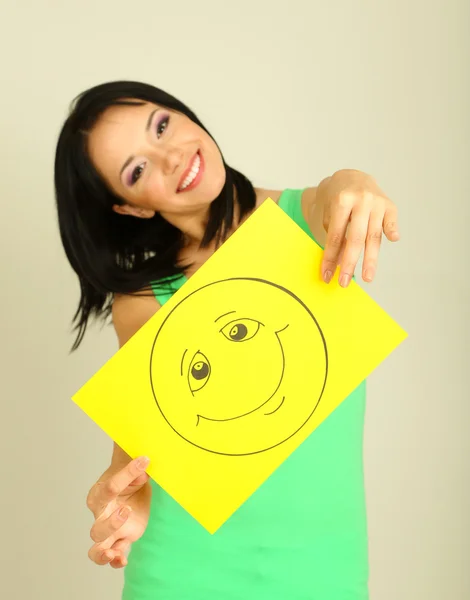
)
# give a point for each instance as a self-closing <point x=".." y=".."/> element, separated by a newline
<point x="156" y="194"/>
<point x="217" y="170"/>
<point x="219" y="179"/>
<point x="213" y="154"/>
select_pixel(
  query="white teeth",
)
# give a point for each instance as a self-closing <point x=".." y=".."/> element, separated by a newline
<point x="192" y="174"/>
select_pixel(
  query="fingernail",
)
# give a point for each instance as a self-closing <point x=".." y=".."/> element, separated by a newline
<point x="369" y="275"/>
<point x="105" y="556"/>
<point x="143" y="462"/>
<point x="344" y="280"/>
<point x="327" y="276"/>
<point x="123" y="513"/>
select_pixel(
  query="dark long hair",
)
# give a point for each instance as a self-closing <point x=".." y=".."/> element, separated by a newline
<point x="111" y="253"/>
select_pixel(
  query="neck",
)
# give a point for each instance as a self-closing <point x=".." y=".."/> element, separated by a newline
<point x="193" y="225"/>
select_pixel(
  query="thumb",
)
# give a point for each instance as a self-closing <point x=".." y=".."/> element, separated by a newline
<point x="139" y="481"/>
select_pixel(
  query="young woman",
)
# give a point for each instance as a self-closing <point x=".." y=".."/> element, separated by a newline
<point x="144" y="197"/>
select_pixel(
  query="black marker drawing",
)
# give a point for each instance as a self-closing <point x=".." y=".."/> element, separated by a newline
<point x="239" y="366"/>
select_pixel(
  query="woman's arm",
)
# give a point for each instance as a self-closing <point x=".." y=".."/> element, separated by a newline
<point x="124" y="485"/>
<point x="130" y="313"/>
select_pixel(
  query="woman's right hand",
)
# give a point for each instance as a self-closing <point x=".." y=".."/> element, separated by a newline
<point x="120" y="503"/>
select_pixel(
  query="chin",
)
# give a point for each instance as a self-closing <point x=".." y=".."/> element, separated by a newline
<point x="206" y="193"/>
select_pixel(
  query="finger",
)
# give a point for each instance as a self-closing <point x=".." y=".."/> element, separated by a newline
<point x="103" y="529"/>
<point x="341" y="252"/>
<point x="108" y="490"/>
<point x="139" y="481"/>
<point x="101" y="555"/>
<point x="372" y="249"/>
<point x="122" y="547"/>
<point x="326" y="216"/>
<point x="334" y="241"/>
<point x="355" y="244"/>
<point x="119" y="562"/>
<point x="390" y="225"/>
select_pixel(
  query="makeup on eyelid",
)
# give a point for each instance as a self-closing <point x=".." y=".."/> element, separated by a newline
<point x="130" y="177"/>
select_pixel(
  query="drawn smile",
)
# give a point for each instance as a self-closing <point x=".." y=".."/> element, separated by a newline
<point x="265" y="403"/>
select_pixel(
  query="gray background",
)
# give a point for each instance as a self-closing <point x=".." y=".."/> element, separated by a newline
<point x="292" y="92"/>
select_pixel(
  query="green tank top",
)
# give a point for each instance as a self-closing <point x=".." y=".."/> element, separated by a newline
<point x="302" y="535"/>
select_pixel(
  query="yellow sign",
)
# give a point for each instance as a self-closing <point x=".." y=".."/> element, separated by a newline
<point x="239" y="367"/>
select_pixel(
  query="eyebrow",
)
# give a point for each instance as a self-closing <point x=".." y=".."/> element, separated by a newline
<point x="147" y="127"/>
<point x="224" y="315"/>
<point x="182" y="362"/>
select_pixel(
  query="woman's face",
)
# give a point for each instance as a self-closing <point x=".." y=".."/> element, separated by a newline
<point x="156" y="160"/>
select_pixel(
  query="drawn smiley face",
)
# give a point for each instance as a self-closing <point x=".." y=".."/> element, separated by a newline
<point x="238" y="366"/>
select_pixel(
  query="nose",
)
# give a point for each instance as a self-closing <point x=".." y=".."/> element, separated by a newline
<point x="170" y="159"/>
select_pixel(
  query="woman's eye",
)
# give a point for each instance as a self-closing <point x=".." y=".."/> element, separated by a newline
<point x="136" y="173"/>
<point x="162" y="125"/>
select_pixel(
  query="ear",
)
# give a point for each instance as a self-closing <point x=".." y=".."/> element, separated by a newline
<point x="133" y="211"/>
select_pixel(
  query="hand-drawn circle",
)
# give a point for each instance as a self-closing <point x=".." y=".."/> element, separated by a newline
<point x="248" y="432"/>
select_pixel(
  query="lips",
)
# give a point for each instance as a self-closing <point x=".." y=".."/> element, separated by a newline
<point x="192" y="174"/>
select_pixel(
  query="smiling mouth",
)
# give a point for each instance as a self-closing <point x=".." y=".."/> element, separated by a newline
<point x="266" y="402"/>
<point x="192" y="175"/>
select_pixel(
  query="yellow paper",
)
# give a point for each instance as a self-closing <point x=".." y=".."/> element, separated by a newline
<point x="239" y="367"/>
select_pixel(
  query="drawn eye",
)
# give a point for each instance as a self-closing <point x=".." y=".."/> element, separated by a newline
<point x="241" y="330"/>
<point x="199" y="372"/>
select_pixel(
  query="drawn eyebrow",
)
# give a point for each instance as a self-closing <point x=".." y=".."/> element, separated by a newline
<point x="182" y="361"/>
<point x="147" y="127"/>
<point x="222" y="316"/>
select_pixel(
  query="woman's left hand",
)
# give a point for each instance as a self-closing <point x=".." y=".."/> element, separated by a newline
<point x="356" y="213"/>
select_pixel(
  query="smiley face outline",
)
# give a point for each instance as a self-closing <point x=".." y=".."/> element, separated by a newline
<point x="314" y="403"/>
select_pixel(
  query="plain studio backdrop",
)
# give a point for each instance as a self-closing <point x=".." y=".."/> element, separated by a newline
<point x="292" y="92"/>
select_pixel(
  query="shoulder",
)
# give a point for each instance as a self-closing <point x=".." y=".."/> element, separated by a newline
<point x="131" y="312"/>
<point x="263" y="194"/>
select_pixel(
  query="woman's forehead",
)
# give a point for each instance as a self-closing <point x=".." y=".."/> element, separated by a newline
<point x="119" y="114"/>
<point x="118" y="128"/>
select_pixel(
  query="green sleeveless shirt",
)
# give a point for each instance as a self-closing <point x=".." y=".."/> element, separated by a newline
<point x="302" y="535"/>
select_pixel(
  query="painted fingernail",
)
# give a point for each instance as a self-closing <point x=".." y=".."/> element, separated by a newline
<point x="123" y="513"/>
<point x="344" y="280"/>
<point x="143" y="462"/>
<point x="327" y="276"/>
